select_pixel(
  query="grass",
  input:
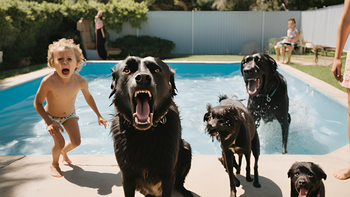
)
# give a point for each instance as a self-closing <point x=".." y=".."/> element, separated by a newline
<point x="323" y="73"/>
<point x="4" y="74"/>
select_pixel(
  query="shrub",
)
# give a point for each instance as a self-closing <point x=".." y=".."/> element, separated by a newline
<point x="27" y="28"/>
<point x="143" y="46"/>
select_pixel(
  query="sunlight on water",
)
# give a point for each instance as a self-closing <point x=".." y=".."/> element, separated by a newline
<point x="310" y="133"/>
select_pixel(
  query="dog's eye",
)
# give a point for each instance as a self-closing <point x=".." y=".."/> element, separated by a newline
<point x="157" y="70"/>
<point x="296" y="174"/>
<point x="126" y="70"/>
<point x="310" y="175"/>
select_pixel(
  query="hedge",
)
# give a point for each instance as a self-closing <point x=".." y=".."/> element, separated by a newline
<point x="27" y="28"/>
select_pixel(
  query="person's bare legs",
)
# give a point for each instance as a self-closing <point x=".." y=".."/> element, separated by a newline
<point x="290" y="50"/>
<point x="72" y="128"/>
<point x="277" y="50"/>
<point x="343" y="174"/>
<point x="56" y="151"/>
<point x="283" y="55"/>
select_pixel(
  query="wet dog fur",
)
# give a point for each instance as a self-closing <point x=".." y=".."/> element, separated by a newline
<point x="232" y="125"/>
<point x="146" y="128"/>
<point x="267" y="89"/>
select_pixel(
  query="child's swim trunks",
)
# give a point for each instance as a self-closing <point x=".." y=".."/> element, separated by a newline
<point x="61" y="120"/>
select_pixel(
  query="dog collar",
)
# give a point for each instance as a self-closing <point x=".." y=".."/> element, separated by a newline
<point x="162" y="120"/>
<point x="268" y="97"/>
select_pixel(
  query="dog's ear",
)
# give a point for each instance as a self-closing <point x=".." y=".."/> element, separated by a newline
<point x="319" y="170"/>
<point x="290" y="172"/>
<point x="273" y="63"/>
<point x="114" y="81"/>
<point x="172" y="81"/>
<point x="207" y="115"/>
<point x="242" y="63"/>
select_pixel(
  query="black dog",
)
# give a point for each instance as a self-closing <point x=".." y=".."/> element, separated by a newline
<point x="306" y="180"/>
<point x="146" y="128"/>
<point x="234" y="127"/>
<point x="267" y="89"/>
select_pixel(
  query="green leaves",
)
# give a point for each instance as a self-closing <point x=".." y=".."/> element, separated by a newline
<point x="27" y="28"/>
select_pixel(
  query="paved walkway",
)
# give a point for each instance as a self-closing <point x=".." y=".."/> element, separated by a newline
<point x="99" y="175"/>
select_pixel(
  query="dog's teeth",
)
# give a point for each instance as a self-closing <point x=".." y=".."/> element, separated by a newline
<point x="143" y="91"/>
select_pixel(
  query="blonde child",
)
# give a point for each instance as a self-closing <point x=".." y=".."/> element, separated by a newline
<point x="289" y="42"/>
<point x="60" y="90"/>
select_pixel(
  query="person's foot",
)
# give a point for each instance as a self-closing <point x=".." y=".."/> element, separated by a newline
<point x="66" y="160"/>
<point x="342" y="174"/>
<point x="56" y="171"/>
<point x="283" y="61"/>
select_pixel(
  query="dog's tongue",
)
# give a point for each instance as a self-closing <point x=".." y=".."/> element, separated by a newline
<point x="303" y="192"/>
<point x="142" y="109"/>
<point x="253" y="86"/>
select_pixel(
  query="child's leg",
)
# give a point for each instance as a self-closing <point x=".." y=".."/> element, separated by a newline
<point x="290" y="50"/>
<point x="277" y="50"/>
<point x="283" y="54"/>
<point x="343" y="174"/>
<point x="72" y="128"/>
<point x="56" y="152"/>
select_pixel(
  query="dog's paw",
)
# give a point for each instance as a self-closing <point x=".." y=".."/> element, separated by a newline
<point x="249" y="179"/>
<point x="256" y="184"/>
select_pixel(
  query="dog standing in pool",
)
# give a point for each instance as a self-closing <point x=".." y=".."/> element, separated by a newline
<point x="267" y="89"/>
<point x="60" y="90"/>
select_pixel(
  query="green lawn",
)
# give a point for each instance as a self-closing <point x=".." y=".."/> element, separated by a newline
<point x="321" y="72"/>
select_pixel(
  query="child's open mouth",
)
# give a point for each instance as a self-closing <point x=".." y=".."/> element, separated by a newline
<point x="65" y="71"/>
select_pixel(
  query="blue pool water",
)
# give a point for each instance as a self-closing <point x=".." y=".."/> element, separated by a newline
<point x="318" y="121"/>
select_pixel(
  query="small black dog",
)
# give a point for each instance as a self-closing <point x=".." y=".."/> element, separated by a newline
<point x="306" y="180"/>
<point x="146" y="128"/>
<point x="234" y="127"/>
<point x="267" y="89"/>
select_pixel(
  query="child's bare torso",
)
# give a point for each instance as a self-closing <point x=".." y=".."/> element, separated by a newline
<point x="60" y="100"/>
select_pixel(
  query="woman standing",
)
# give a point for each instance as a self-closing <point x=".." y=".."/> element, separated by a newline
<point x="100" y="36"/>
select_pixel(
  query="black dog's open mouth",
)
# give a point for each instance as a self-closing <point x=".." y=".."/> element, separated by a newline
<point x="253" y="85"/>
<point x="143" y="107"/>
<point x="213" y="132"/>
<point x="303" y="192"/>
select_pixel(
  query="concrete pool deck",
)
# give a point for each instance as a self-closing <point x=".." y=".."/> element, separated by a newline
<point x="99" y="175"/>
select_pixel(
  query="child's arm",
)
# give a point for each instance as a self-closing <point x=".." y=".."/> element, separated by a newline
<point x="40" y="96"/>
<point x="343" y="32"/>
<point x="91" y="102"/>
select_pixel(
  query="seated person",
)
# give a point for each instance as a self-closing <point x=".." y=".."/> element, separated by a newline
<point x="289" y="42"/>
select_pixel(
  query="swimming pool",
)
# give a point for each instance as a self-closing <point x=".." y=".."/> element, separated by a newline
<point x="318" y="121"/>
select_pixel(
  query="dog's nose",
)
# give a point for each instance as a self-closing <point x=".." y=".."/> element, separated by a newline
<point x="143" y="79"/>
<point x="301" y="182"/>
<point x="248" y="71"/>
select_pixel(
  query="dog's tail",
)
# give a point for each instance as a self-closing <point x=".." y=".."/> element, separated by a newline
<point x="224" y="96"/>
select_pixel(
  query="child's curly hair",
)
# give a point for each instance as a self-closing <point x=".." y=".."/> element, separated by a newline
<point x="66" y="44"/>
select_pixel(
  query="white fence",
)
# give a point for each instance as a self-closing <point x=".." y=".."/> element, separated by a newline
<point x="215" y="32"/>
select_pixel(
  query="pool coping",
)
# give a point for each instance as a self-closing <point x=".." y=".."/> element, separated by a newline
<point x="317" y="83"/>
<point x="24" y="175"/>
